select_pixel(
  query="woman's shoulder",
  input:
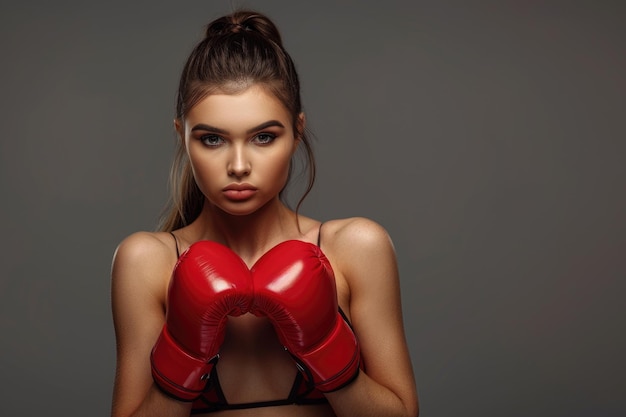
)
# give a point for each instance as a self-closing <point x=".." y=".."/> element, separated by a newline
<point x="354" y="231"/>
<point x="356" y="240"/>
<point x="362" y="253"/>
<point x="145" y="254"/>
<point x="145" y="245"/>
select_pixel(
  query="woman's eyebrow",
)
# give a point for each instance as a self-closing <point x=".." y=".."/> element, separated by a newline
<point x="202" y="126"/>
<point x="265" y="125"/>
<point x="209" y="128"/>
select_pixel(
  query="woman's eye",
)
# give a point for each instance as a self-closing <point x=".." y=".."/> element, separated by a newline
<point x="264" y="138"/>
<point x="211" y="140"/>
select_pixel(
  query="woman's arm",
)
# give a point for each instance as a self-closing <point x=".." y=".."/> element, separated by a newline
<point x="365" y="257"/>
<point x="141" y="268"/>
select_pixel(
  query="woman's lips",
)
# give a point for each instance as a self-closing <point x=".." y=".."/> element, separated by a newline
<point x="239" y="192"/>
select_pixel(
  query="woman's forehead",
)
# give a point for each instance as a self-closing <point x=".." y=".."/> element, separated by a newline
<point x="250" y="106"/>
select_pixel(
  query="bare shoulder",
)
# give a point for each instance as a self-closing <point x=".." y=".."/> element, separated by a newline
<point x="144" y="248"/>
<point x="356" y="233"/>
<point x="357" y="245"/>
<point x="144" y="258"/>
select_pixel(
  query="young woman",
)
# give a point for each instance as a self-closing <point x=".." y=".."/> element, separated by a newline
<point x="241" y="306"/>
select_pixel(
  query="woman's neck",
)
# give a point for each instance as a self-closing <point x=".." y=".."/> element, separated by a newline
<point x="250" y="236"/>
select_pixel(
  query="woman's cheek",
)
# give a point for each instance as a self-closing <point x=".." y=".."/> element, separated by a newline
<point x="204" y="177"/>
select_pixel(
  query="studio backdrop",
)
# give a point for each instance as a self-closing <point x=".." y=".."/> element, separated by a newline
<point x="487" y="137"/>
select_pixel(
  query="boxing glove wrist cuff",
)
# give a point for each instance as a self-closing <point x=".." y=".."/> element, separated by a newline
<point x="175" y="371"/>
<point x="335" y="362"/>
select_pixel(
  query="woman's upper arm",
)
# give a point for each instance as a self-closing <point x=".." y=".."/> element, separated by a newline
<point x="370" y="268"/>
<point x="138" y="282"/>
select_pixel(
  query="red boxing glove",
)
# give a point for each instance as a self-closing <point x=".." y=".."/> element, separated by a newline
<point x="209" y="283"/>
<point x="294" y="286"/>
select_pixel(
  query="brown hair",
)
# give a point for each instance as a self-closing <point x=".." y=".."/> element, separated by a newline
<point x="239" y="50"/>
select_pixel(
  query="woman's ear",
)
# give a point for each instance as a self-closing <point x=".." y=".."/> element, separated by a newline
<point x="180" y="131"/>
<point x="300" y="126"/>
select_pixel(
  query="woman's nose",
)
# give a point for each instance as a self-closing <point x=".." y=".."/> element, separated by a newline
<point x="238" y="165"/>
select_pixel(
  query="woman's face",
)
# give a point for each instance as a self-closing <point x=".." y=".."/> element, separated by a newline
<point x="240" y="147"/>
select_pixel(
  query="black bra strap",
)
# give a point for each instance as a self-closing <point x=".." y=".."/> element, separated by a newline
<point x="176" y="242"/>
<point x="319" y="235"/>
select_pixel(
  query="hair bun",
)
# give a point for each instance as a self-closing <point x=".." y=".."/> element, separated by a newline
<point x="244" y="22"/>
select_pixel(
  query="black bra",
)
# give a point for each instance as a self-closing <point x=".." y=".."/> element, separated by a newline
<point x="213" y="399"/>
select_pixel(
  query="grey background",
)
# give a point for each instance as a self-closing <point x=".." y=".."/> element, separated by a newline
<point x="488" y="137"/>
